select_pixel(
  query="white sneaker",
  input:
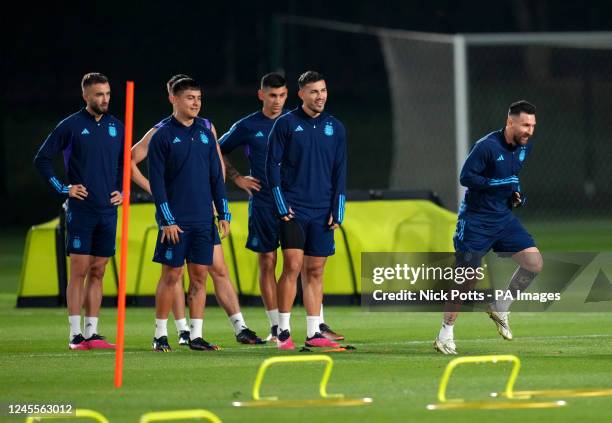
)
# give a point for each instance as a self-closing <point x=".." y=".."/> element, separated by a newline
<point x="445" y="346"/>
<point x="501" y="322"/>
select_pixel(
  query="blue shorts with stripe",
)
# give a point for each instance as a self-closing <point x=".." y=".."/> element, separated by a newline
<point x="505" y="236"/>
<point x="90" y="234"/>
<point x="264" y="227"/>
<point x="196" y="245"/>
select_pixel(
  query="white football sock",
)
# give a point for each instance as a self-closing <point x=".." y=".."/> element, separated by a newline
<point x="283" y="322"/>
<point x="273" y="317"/>
<point x="181" y="325"/>
<point x="237" y="322"/>
<point x="446" y="332"/>
<point x="161" y="328"/>
<point x="91" y="327"/>
<point x="195" y="328"/>
<point x="75" y="325"/>
<point x="312" y="325"/>
<point x="321" y="318"/>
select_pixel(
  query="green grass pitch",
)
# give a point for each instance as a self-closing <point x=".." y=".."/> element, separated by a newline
<point x="394" y="362"/>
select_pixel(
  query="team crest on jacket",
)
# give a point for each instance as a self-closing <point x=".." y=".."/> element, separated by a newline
<point x="112" y="131"/>
<point x="522" y="154"/>
<point x="203" y="137"/>
<point x="329" y="129"/>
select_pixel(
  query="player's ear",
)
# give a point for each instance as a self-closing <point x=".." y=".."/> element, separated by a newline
<point x="301" y="94"/>
<point x="260" y="94"/>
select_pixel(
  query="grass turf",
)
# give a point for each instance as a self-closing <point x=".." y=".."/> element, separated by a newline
<point x="394" y="362"/>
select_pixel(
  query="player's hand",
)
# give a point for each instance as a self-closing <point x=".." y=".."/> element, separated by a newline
<point x="248" y="183"/>
<point x="116" y="198"/>
<point x="516" y="199"/>
<point x="332" y="226"/>
<point x="224" y="228"/>
<point x="171" y="233"/>
<point x="288" y="216"/>
<point x="77" y="191"/>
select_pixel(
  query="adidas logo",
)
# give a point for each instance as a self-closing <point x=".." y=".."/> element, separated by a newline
<point x="85" y="132"/>
<point x="500" y="158"/>
<point x="259" y="134"/>
<point x="298" y="129"/>
<point x="176" y="140"/>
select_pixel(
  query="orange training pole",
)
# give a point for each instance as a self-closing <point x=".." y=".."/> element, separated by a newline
<point x="125" y="217"/>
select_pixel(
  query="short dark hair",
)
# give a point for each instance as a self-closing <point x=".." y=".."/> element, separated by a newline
<point x="175" y="78"/>
<point x="521" y="106"/>
<point x="309" y="77"/>
<point x="185" y="84"/>
<point x="273" y="80"/>
<point x="92" y="78"/>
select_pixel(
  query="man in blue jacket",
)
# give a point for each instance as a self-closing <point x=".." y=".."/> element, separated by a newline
<point x="225" y="293"/>
<point x="91" y="142"/>
<point x="186" y="178"/>
<point x="485" y="221"/>
<point x="306" y="173"/>
<point x="251" y="133"/>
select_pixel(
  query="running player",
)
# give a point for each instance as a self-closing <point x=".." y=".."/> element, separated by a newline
<point x="485" y="219"/>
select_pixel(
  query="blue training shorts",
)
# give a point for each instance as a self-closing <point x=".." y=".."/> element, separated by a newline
<point x="308" y="231"/>
<point x="159" y="225"/>
<point x="90" y="234"/>
<point x="507" y="236"/>
<point x="196" y="245"/>
<point x="264" y="228"/>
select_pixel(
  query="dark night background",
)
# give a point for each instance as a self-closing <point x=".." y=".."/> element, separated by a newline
<point x="47" y="48"/>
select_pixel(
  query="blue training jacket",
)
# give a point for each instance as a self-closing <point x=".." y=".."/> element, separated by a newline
<point x="93" y="157"/>
<point x="306" y="163"/>
<point x="251" y="132"/>
<point x="185" y="174"/>
<point x="490" y="174"/>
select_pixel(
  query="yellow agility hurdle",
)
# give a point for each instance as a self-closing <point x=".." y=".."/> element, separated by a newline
<point x="273" y="401"/>
<point x="567" y="393"/>
<point x="480" y="359"/>
<point x="78" y="413"/>
<point x="329" y="364"/>
<point x="158" y="416"/>
<point x="460" y="404"/>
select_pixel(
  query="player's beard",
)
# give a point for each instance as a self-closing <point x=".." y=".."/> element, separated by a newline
<point x="315" y="109"/>
<point x="518" y="141"/>
<point x="99" y="110"/>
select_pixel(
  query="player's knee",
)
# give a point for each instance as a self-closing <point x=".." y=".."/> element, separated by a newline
<point x="534" y="264"/>
<point x="78" y="273"/>
<point x="96" y="271"/>
<point x="172" y="275"/>
<point x="219" y="271"/>
<point x="314" y="272"/>
<point x="292" y="267"/>
<point x="267" y="263"/>
<point x="196" y="290"/>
